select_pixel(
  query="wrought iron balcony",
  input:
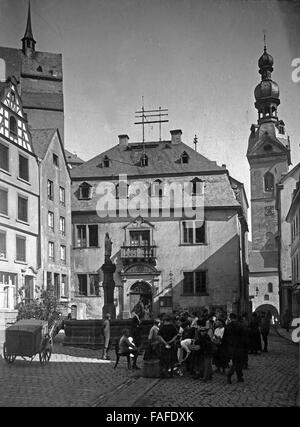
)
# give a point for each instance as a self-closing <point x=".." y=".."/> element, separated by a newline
<point x="138" y="253"/>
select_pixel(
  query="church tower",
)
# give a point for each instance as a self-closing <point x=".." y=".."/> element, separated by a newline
<point x="39" y="76"/>
<point x="269" y="158"/>
<point x="28" y="42"/>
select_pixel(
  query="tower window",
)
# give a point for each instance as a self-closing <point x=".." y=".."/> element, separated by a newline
<point x="269" y="181"/>
<point x="281" y="127"/>
<point x="13" y="125"/>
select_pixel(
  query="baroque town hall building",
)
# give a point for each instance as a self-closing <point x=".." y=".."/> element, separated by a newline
<point x="168" y="261"/>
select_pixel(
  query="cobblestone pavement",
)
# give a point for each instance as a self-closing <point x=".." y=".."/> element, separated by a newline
<point x="78" y="377"/>
<point x="271" y="380"/>
<point x="73" y="377"/>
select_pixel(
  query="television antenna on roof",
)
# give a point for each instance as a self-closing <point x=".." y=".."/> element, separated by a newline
<point x="143" y="115"/>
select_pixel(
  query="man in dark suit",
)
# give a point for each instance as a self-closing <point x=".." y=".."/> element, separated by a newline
<point x="234" y="339"/>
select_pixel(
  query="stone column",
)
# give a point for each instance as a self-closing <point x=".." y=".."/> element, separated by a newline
<point x="108" y="284"/>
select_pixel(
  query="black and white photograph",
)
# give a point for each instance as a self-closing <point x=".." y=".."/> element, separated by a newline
<point x="149" y="206"/>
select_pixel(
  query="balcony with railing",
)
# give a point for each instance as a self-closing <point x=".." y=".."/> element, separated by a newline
<point x="136" y="253"/>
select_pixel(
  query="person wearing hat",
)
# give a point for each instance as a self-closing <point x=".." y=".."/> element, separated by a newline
<point x="203" y="356"/>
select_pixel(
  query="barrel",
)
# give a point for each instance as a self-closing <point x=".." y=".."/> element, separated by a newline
<point x="151" y="368"/>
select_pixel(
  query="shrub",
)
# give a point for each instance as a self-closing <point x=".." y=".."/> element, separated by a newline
<point x="40" y="308"/>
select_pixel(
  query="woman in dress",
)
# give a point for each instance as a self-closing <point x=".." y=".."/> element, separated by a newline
<point x="220" y="359"/>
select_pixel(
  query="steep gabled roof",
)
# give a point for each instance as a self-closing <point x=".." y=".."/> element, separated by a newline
<point x="163" y="158"/>
<point x="41" y="139"/>
<point x="73" y="158"/>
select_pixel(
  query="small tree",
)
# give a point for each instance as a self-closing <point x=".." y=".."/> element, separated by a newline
<point x="40" y="308"/>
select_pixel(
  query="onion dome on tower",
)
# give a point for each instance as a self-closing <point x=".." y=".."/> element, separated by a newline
<point x="267" y="91"/>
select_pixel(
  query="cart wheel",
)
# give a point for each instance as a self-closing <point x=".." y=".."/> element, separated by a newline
<point x="10" y="358"/>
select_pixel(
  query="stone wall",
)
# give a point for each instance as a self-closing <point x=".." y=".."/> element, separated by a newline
<point x="89" y="333"/>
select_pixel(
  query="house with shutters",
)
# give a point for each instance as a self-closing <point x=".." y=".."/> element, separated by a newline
<point x="19" y="205"/>
<point x="167" y="258"/>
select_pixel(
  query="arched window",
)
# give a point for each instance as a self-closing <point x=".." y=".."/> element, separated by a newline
<point x="270" y="287"/>
<point x="13" y="125"/>
<point x="269" y="181"/>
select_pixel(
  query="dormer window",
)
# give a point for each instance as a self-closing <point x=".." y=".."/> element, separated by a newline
<point x="184" y="158"/>
<point x="281" y="128"/>
<point x="13" y="125"/>
<point x="39" y="69"/>
<point x="85" y="191"/>
<point x="269" y="181"/>
<point x="106" y="162"/>
<point x="144" y="160"/>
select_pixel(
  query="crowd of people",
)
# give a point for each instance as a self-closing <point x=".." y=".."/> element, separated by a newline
<point x="194" y="344"/>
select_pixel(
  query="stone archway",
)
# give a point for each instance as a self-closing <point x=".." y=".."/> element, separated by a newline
<point x="266" y="308"/>
<point x="141" y="298"/>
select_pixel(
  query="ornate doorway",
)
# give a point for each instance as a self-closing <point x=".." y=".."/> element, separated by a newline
<point x="141" y="299"/>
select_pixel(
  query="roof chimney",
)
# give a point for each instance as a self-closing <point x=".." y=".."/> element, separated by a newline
<point x="176" y="136"/>
<point x="123" y="141"/>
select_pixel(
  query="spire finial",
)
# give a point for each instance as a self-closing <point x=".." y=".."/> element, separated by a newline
<point x="265" y="42"/>
<point x="195" y="141"/>
<point x="28" y="40"/>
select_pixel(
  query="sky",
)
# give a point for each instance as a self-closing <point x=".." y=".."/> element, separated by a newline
<point x="198" y="58"/>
